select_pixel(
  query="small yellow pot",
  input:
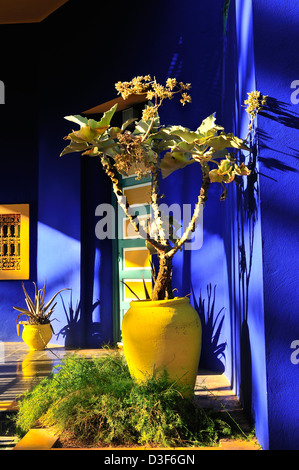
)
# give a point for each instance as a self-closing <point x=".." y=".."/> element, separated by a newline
<point x="36" y="336"/>
<point x="163" y="335"/>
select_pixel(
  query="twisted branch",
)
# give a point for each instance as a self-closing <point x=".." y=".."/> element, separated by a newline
<point x="203" y="196"/>
<point x="123" y="203"/>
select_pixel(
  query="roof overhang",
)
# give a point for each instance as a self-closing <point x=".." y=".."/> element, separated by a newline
<point x="121" y="104"/>
<point x="27" y="11"/>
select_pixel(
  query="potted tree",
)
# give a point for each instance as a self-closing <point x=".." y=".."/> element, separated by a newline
<point x="163" y="332"/>
<point x="37" y="328"/>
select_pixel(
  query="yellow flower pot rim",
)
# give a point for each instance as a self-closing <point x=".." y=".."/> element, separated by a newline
<point x="157" y="303"/>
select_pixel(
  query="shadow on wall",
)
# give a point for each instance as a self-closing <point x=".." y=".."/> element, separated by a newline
<point x="212" y="350"/>
<point x="72" y="331"/>
<point x="247" y="218"/>
<point x="247" y="213"/>
<point x="278" y="111"/>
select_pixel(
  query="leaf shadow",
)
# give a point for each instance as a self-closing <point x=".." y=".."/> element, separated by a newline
<point x="71" y="332"/>
<point x="212" y="350"/>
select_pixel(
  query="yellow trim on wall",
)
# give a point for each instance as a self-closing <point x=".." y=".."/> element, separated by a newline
<point x="22" y="270"/>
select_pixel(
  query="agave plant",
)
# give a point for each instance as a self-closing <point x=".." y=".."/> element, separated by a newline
<point x="38" y="312"/>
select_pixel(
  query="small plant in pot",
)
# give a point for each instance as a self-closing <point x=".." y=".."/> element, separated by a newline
<point x="164" y="332"/>
<point x="37" y="328"/>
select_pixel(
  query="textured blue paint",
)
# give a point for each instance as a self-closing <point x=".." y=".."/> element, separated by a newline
<point x="276" y="56"/>
<point x="19" y="155"/>
<point x="76" y="71"/>
<point x="247" y="365"/>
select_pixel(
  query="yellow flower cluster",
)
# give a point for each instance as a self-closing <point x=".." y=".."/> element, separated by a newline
<point x="149" y="113"/>
<point x="133" y="157"/>
<point x="154" y="90"/>
<point x="137" y="85"/>
<point x="255" y="102"/>
<point x="185" y="99"/>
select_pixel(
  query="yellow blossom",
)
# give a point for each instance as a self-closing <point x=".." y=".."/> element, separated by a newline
<point x="149" y="113"/>
<point x="185" y="99"/>
<point x="255" y="102"/>
<point x="171" y="83"/>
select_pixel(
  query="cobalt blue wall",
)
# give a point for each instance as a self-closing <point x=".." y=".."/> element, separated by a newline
<point x="19" y="151"/>
<point x="275" y="27"/>
<point x="262" y="242"/>
<point x="246" y="367"/>
<point x="79" y="66"/>
<point x="85" y="51"/>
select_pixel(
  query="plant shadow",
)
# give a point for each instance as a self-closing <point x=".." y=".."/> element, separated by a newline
<point x="72" y="331"/>
<point x="212" y="351"/>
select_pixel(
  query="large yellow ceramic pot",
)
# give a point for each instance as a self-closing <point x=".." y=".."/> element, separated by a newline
<point x="162" y="335"/>
<point x="37" y="336"/>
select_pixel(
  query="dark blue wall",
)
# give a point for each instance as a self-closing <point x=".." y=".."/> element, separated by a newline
<point x="262" y="237"/>
<point x="276" y="36"/>
<point x="84" y="54"/>
<point x="18" y="150"/>
<point x="250" y="242"/>
<point x="246" y="367"/>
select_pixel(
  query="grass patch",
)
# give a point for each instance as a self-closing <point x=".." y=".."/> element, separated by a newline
<point x="96" y="402"/>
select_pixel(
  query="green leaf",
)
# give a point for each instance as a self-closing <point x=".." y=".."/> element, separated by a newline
<point x="126" y="124"/>
<point x="224" y="167"/>
<point x="107" y="116"/>
<point x="184" y="147"/>
<point x="147" y="296"/>
<point x="223" y="140"/>
<point x="82" y="121"/>
<point x="74" y="147"/>
<point x="130" y="289"/>
<point x="93" y="152"/>
<point x="74" y="137"/>
<point x="141" y="127"/>
<point x="215" y="177"/>
<point x="89" y="134"/>
<point x="209" y="124"/>
<point x="93" y="124"/>
<point x="50" y="301"/>
<point x="185" y="134"/>
<point x="173" y="161"/>
<point x="113" y="131"/>
<point x="150" y="247"/>
<point x="242" y="170"/>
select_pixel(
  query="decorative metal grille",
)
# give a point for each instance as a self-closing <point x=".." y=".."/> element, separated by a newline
<point x="10" y="242"/>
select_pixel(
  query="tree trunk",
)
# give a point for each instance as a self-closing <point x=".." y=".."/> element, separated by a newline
<point x="163" y="284"/>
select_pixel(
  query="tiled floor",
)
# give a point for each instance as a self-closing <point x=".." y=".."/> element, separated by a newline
<point x="20" y="368"/>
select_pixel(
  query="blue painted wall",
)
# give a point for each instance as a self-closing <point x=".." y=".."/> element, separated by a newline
<point x="250" y="243"/>
<point x="18" y="151"/>
<point x="74" y="77"/>
<point x="276" y="62"/>
<point x="246" y="367"/>
<point x="262" y="242"/>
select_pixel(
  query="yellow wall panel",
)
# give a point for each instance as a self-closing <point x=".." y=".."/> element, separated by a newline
<point x="137" y="286"/>
<point x="136" y="258"/>
<point x="139" y="194"/>
<point x="14" y="241"/>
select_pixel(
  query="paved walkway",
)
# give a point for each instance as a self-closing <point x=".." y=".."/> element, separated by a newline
<point x="21" y="368"/>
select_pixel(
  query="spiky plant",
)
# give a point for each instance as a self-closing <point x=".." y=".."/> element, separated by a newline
<point x="38" y="312"/>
